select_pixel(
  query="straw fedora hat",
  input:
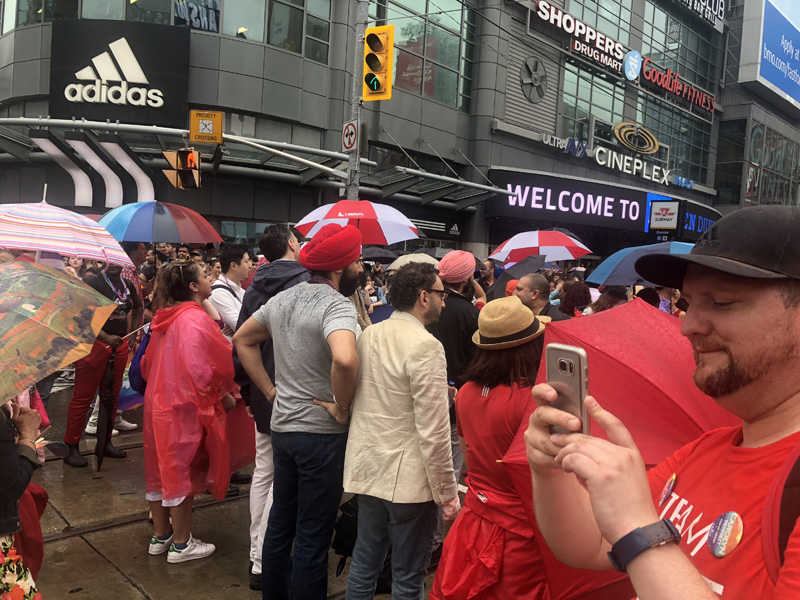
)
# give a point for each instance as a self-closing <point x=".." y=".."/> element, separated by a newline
<point x="505" y="323"/>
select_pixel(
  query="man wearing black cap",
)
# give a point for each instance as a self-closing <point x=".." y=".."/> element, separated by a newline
<point x="718" y="518"/>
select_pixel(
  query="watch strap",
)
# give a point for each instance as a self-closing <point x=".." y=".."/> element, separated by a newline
<point x="640" y="539"/>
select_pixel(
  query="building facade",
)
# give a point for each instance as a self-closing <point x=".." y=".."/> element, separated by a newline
<point x="623" y="121"/>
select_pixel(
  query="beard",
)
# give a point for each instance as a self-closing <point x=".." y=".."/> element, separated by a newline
<point x="433" y="314"/>
<point x="349" y="283"/>
<point x="736" y="374"/>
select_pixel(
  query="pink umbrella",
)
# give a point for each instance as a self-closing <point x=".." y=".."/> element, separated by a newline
<point x="378" y="223"/>
<point x="553" y="245"/>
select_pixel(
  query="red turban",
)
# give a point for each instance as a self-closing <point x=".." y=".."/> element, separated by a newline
<point x="456" y="266"/>
<point x="332" y="248"/>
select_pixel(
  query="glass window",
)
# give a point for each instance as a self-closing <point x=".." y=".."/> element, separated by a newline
<point x="316" y="51"/>
<point x="320" y="8"/>
<point x="29" y="12"/>
<point x="442" y="85"/>
<point x="150" y="11"/>
<point x="407" y="73"/>
<point x="442" y="46"/>
<point x="318" y="28"/>
<point x="103" y="9"/>
<point x="434" y="47"/>
<point x="285" y="27"/>
<point x="9" y="8"/>
<point x="202" y="15"/>
<point x="245" y="20"/>
<point x="60" y="9"/>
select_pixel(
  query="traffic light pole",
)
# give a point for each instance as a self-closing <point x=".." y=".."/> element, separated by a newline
<point x="362" y="17"/>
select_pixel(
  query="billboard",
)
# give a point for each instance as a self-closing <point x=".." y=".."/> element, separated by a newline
<point x="775" y="62"/>
<point x="120" y="70"/>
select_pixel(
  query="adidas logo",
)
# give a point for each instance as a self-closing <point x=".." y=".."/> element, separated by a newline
<point x="454" y="230"/>
<point x="106" y="69"/>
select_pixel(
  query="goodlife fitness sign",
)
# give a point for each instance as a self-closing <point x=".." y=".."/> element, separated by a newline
<point x="131" y="72"/>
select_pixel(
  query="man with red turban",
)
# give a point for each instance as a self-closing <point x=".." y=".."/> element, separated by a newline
<point x="313" y="326"/>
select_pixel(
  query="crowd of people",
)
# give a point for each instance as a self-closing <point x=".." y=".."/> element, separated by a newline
<point x="398" y="411"/>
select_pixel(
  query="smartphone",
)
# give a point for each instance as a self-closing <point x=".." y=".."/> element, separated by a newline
<point x="568" y="375"/>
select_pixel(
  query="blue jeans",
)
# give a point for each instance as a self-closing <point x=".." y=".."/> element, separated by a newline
<point x="307" y="490"/>
<point x="409" y="527"/>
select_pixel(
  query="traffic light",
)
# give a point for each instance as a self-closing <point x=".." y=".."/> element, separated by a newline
<point x="185" y="173"/>
<point x="378" y="63"/>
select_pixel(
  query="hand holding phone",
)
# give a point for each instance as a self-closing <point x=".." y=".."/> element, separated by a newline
<point x="568" y="375"/>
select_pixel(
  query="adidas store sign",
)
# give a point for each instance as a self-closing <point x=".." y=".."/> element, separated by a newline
<point x="124" y="69"/>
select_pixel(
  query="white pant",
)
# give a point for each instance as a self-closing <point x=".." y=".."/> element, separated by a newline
<point x="260" y="497"/>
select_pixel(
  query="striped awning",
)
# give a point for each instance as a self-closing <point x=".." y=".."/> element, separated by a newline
<point x="47" y="228"/>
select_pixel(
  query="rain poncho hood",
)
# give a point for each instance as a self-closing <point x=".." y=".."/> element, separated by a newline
<point x="189" y="369"/>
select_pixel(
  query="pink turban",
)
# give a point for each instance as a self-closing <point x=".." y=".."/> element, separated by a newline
<point x="456" y="266"/>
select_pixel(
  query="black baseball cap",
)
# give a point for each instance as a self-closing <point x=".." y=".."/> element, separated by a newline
<point x="762" y="242"/>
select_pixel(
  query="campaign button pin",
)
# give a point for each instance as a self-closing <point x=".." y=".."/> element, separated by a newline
<point x="725" y="534"/>
<point x="667" y="491"/>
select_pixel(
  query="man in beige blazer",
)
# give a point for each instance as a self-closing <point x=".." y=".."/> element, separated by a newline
<point x="398" y="456"/>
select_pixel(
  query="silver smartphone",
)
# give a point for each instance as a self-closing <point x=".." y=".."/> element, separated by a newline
<point x="568" y="374"/>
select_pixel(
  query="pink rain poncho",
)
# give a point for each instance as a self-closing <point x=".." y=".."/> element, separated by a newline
<point x="188" y="366"/>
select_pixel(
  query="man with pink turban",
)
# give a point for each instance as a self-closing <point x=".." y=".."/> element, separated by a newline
<point x="313" y="328"/>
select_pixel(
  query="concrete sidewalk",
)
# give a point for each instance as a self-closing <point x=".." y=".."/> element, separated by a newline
<point x="96" y="537"/>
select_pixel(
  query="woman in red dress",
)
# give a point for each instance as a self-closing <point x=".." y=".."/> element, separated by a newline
<point x="490" y="552"/>
<point x="188" y="366"/>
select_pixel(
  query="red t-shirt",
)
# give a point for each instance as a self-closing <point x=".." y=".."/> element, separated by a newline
<point x="714" y="475"/>
<point x="489" y="424"/>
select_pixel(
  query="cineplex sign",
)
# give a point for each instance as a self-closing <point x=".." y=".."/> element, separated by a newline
<point x="588" y="42"/>
<point x="623" y="163"/>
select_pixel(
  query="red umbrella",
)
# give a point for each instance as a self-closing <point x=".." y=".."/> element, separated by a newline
<point x="640" y="369"/>
<point x="378" y="223"/>
<point x="553" y="245"/>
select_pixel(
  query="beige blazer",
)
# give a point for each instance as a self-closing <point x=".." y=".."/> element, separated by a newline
<point x="398" y="448"/>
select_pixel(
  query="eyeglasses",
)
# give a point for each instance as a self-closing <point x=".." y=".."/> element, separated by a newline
<point x="441" y="293"/>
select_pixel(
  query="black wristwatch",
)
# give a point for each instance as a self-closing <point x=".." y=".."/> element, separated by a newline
<point x="640" y="539"/>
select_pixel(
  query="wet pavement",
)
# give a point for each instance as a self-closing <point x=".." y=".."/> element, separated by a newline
<point x="96" y="532"/>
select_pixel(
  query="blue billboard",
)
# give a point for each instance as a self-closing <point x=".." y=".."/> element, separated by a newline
<point x="779" y="62"/>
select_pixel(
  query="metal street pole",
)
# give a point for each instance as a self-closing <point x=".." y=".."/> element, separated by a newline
<point x="362" y="16"/>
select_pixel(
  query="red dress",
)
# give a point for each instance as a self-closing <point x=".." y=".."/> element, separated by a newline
<point x="189" y="369"/>
<point x="490" y="552"/>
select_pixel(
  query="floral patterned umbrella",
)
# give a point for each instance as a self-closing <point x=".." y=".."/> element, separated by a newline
<point x="48" y="320"/>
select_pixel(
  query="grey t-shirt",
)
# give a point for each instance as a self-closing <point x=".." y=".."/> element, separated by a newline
<point x="300" y="320"/>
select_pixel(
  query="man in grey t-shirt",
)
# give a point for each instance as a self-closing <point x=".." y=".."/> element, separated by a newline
<point x="313" y="328"/>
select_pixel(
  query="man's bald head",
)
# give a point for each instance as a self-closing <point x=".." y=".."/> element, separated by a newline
<point x="533" y="290"/>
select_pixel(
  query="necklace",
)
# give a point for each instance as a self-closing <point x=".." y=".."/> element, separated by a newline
<point x="121" y="296"/>
<point x="321" y="280"/>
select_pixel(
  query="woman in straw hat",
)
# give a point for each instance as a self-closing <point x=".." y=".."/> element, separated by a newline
<point x="490" y="553"/>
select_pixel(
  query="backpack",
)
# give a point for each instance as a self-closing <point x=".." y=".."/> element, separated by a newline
<point x="137" y="381"/>
<point x="781" y="512"/>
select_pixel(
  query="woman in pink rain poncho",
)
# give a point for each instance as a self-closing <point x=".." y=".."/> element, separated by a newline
<point x="188" y="366"/>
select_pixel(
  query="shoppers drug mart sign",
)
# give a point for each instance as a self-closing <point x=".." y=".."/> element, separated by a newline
<point x="586" y="40"/>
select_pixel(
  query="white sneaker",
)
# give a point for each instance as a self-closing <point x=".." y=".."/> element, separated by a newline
<point x="124" y="425"/>
<point x="158" y="547"/>
<point x="194" y="550"/>
<point x="91" y="429"/>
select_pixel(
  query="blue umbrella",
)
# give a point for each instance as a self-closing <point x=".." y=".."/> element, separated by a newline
<point x="158" y="222"/>
<point x="618" y="269"/>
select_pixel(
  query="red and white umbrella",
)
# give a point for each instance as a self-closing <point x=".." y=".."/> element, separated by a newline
<point x="378" y="223"/>
<point x="553" y="245"/>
